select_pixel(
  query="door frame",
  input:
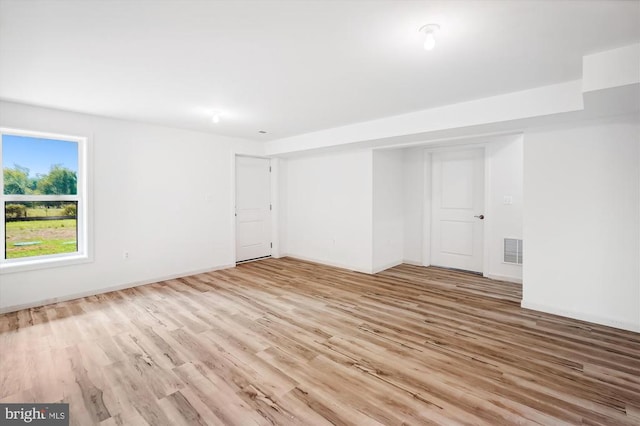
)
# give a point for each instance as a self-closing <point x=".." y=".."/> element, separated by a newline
<point x="427" y="223"/>
<point x="273" y="183"/>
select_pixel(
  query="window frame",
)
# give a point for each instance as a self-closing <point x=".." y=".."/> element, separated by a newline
<point x="82" y="254"/>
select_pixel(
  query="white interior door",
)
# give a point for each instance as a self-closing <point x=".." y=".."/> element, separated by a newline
<point x="457" y="227"/>
<point x="253" y="208"/>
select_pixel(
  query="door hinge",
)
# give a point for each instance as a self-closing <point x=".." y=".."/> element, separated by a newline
<point x="270" y="207"/>
<point x="271" y="244"/>
<point x="269" y="169"/>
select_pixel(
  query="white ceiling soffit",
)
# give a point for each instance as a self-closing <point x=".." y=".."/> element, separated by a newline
<point x="292" y="67"/>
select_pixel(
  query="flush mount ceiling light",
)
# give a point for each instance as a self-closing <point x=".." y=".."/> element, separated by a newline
<point x="215" y="118"/>
<point x="429" y="32"/>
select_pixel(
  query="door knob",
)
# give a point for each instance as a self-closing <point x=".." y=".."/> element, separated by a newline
<point x="480" y="216"/>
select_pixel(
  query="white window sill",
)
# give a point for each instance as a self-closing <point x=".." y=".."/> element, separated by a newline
<point x="42" y="262"/>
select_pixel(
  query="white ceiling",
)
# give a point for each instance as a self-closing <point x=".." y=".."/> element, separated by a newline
<point x="292" y="67"/>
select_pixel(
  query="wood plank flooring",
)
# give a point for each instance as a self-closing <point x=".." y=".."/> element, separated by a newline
<point x="283" y="342"/>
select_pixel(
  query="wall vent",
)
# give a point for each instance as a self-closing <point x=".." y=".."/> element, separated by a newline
<point x="513" y="251"/>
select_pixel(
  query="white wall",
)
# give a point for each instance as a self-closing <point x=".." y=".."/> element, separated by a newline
<point x="150" y="189"/>
<point x="504" y="175"/>
<point x="388" y="209"/>
<point x="581" y="222"/>
<point x="329" y="209"/>
<point x="278" y="202"/>
<point x="413" y="194"/>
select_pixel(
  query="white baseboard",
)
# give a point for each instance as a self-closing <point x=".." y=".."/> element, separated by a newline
<point x="581" y="316"/>
<point x="79" y="295"/>
<point x="328" y="263"/>
<point x="387" y="266"/>
<point x="412" y="262"/>
<point x="507" y="278"/>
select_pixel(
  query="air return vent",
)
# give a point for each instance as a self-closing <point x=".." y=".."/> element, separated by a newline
<point x="513" y="251"/>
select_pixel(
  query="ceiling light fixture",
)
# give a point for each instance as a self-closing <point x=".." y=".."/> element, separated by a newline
<point x="429" y="31"/>
<point x="215" y="118"/>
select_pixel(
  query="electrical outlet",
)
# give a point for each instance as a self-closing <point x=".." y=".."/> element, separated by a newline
<point x="508" y="199"/>
<point x="125" y="255"/>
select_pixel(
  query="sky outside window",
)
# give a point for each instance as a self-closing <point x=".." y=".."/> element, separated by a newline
<point x="38" y="154"/>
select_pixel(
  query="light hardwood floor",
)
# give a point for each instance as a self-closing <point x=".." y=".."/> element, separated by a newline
<point x="282" y="341"/>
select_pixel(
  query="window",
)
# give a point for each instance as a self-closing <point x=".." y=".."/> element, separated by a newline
<point x="44" y="200"/>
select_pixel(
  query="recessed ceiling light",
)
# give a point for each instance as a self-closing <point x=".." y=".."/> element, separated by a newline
<point x="215" y="118"/>
<point x="429" y="31"/>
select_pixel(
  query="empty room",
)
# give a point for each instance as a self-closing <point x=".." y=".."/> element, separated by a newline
<point x="298" y="212"/>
